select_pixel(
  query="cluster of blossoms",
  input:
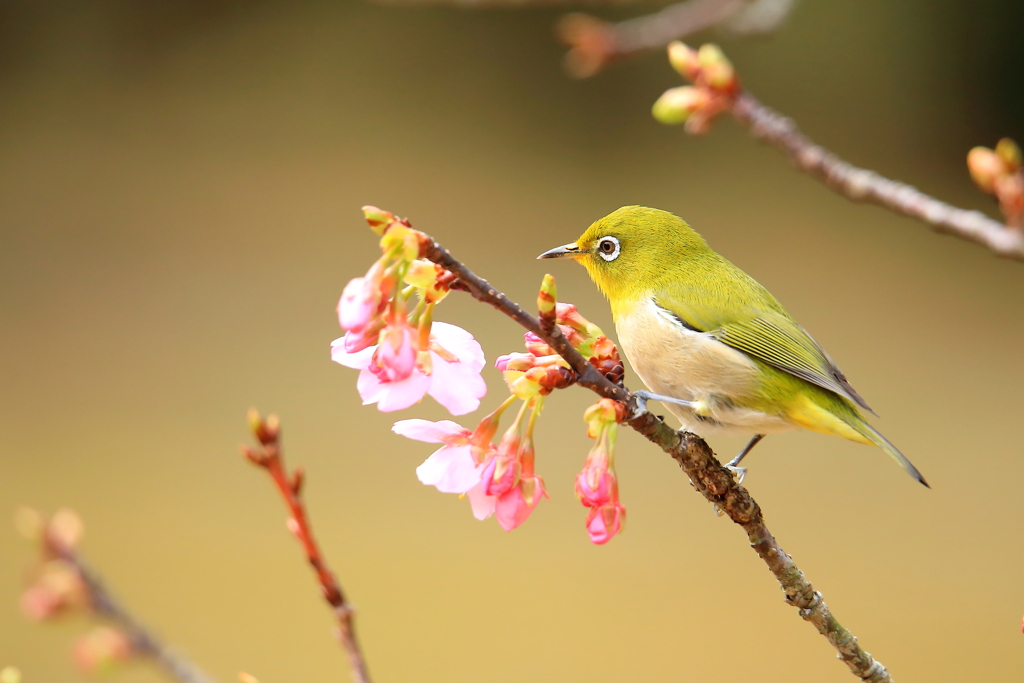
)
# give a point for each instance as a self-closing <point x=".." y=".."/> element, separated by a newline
<point x="597" y="487"/>
<point x="402" y="356"/>
<point x="714" y="88"/>
<point x="998" y="172"/>
<point x="56" y="589"/>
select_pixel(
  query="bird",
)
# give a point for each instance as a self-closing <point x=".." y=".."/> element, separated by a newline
<point x="709" y="342"/>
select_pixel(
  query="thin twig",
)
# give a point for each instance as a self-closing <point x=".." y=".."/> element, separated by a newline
<point x="595" y="42"/>
<point x="269" y="457"/>
<point x="698" y="461"/>
<point x="862" y="185"/>
<point x="144" y="643"/>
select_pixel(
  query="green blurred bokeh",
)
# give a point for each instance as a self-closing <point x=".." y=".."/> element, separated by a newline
<point x="179" y="211"/>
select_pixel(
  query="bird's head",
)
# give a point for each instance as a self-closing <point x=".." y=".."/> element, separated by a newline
<point x="633" y="250"/>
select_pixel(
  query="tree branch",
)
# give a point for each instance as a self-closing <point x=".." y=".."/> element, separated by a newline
<point x="269" y="457"/>
<point x="697" y="460"/>
<point x="862" y="185"/>
<point x="594" y="43"/>
<point x="144" y="643"/>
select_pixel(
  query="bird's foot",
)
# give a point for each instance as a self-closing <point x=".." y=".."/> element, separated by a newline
<point x="738" y="473"/>
<point x="642" y="397"/>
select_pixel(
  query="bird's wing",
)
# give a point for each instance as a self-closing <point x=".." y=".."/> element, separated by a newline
<point x="772" y="337"/>
<point x="780" y="342"/>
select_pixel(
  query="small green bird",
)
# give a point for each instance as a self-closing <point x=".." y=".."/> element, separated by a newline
<point x="709" y="341"/>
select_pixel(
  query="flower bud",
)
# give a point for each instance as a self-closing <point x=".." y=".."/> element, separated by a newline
<point x="502" y="472"/>
<point x="606" y="521"/>
<point x="985" y="166"/>
<point x="379" y="219"/>
<point x="65" y="528"/>
<point x="358" y="304"/>
<point x="422" y="273"/>
<point x="1009" y="152"/>
<point x="537" y="346"/>
<point x="546" y="302"/>
<point x="528" y="385"/>
<point x="102" y="650"/>
<point x="518" y="362"/>
<point x="677" y="104"/>
<point x="716" y="67"/>
<point x="683" y="59"/>
<point x="605" y="411"/>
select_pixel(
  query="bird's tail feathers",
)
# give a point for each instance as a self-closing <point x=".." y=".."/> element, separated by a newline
<point x="877" y="439"/>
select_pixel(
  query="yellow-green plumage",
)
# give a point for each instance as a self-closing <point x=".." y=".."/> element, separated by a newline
<point x="697" y="328"/>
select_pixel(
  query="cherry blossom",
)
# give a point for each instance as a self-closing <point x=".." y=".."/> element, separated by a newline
<point x="453" y="378"/>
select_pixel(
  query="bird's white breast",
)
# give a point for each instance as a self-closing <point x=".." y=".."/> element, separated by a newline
<point x="694" y="366"/>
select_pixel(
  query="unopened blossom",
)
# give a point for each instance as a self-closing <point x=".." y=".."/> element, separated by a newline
<point x="102" y="650"/>
<point x="395" y="357"/>
<point x="453" y="379"/>
<point x="605" y="521"/>
<point x="56" y="589"/>
<point x="597" y="486"/>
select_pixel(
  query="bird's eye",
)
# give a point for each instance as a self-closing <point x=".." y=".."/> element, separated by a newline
<point x="608" y="248"/>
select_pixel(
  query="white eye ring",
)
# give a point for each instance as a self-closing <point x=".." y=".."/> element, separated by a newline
<point x="608" y="248"/>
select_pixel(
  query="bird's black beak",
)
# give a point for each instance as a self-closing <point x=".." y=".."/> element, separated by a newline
<point x="564" y="251"/>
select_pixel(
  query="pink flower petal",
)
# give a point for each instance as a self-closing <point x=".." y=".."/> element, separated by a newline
<point x="460" y="344"/>
<point x="357" y="360"/>
<point x="392" y="396"/>
<point x="513" y="509"/>
<point x="456" y="386"/>
<point x="451" y="470"/>
<point x="431" y="432"/>
<point x="482" y="504"/>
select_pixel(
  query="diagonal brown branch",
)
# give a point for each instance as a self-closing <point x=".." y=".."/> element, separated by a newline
<point x="144" y="643"/>
<point x="269" y="457"/>
<point x="698" y="461"/>
<point x="862" y="185"/>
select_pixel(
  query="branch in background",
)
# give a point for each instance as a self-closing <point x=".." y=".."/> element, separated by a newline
<point x="268" y="456"/>
<point x="594" y="43"/>
<point x="65" y="583"/>
<point x="695" y="458"/>
<point x="862" y="185"/>
<point x="716" y="89"/>
<point x="503" y="4"/>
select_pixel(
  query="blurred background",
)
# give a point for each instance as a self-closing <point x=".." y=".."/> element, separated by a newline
<point x="180" y="187"/>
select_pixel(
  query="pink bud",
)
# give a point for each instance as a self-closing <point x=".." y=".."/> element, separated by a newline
<point x="395" y="358"/>
<point x="595" y="485"/>
<point x="514" y="506"/>
<point x="358" y="304"/>
<point x="537" y="346"/>
<point x="500" y="475"/>
<point x="102" y="650"/>
<point x="606" y="521"/>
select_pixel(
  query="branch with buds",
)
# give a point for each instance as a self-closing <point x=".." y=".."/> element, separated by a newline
<point x="594" y="43"/>
<point x="563" y="349"/>
<point x="268" y="456"/>
<point x="62" y="584"/>
<point x="716" y="89"/>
